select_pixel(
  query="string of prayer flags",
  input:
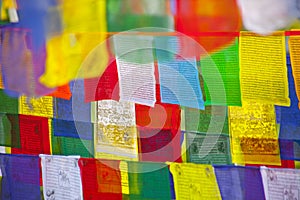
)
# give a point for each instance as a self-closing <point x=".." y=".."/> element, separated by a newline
<point x="179" y="83"/>
<point x="61" y="177"/>
<point x="116" y="134"/>
<point x="280" y="183"/>
<point x="237" y="182"/>
<point x="226" y="62"/>
<point x="148" y="180"/>
<point x="294" y="48"/>
<point x="194" y="181"/>
<point x="101" y="179"/>
<point x="263" y="69"/>
<point x="253" y="134"/>
<point x="20" y="177"/>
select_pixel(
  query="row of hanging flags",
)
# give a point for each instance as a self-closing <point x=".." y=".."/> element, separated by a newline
<point x="87" y="112"/>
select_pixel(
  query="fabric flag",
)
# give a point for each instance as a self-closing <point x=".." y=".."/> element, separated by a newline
<point x="159" y="145"/>
<point x="263" y="68"/>
<point x="194" y="181"/>
<point x="101" y="179"/>
<point x="74" y="145"/>
<point x="214" y="119"/>
<point x="20" y="177"/>
<point x="8" y="104"/>
<point x="216" y="149"/>
<point x="148" y="181"/>
<point x="289" y="149"/>
<point x="281" y="183"/>
<point x="61" y="177"/>
<point x="9" y="130"/>
<point x="116" y="134"/>
<point x="42" y="106"/>
<point x="179" y="82"/>
<point x="237" y="182"/>
<point x="104" y="87"/>
<point x="63" y="128"/>
<point x="135" y="64"/>
<point x="290" y="116"/>
<point x="294" y="53"/>
<point x="221" y="17"/>
<point x="34" y="135"/>
<point x="227" y="63"/>
<point x="253" y="134"/>
<point x="138" y="14"/>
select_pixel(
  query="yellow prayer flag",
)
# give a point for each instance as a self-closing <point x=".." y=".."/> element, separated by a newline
<point x="253" y="134"/>
<point x="194" y="181"/>
<point x="42" y="106"/>
<point x="263" y="69"/>
<point x="1" y="79"/>
<point x="294" y="46"/>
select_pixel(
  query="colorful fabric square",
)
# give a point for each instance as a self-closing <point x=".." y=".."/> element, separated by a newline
<point x="116" y="134"/>
<point x="194" y="181"/>
<point x="263" y="68"/>
<point x="42" y="106"/>
<point x="8" y="104"/>
<point x="61" y="177"/>
<point x="179" y="83"/>
<point x="34" y="136"/>
<point x="194" y="17"/>
<point x="101" y="179"/>
<point x="75" y="109"/>
<point x="253" y="134"/>
<point x="64" y="128"/>
<point x="159" y="145"/>
<point x="71" y="146"/>
<point x="239" y="182"/>
<point x="280" y="183"/>
<point x="226" y="64"/>
<point x="138" y="14"/>
<point x="214" y="119"/>
<point x="290" y="116"/>
<point x="294" y="53"/>
<point x="208" y="148"/>
<point x="104" y="87"/>
<point x="161" y="116"/>
<point x="148" y="181"/>
<point x="135" y="64"/>
<point x="20" y="177"/>
<point x="9" y="130"/>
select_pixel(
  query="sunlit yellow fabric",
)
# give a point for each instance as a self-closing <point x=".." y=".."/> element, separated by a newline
<point x="263" y="70"/>
<point x="253" y="134"/>
<point x="192" y="181"/>
<point x="36" y="106"/>
<point x="6" y="4"/>
<point x="124" y="177"/>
